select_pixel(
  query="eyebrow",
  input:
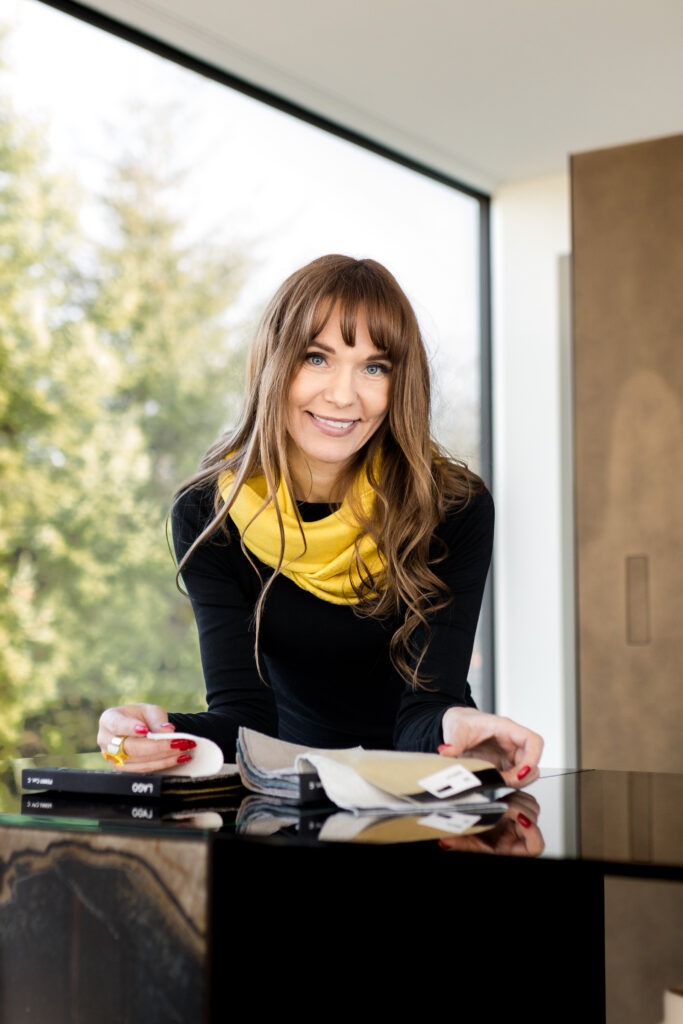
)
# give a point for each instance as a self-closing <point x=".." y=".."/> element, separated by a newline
<point x="379" y="358"/>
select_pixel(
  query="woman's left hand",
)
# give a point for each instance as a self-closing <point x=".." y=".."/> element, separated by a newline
<point x="512" y="748"/>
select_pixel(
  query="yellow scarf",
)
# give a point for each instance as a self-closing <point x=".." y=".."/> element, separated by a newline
<point x="325" y="568"/>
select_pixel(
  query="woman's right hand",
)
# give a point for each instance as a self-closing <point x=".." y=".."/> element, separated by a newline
<point x="132" y="723"/>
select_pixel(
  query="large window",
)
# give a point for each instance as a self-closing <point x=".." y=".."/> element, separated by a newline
<point x="148" y="210"/>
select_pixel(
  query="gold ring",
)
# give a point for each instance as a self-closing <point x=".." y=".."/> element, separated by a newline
<point x="115" y="751"/>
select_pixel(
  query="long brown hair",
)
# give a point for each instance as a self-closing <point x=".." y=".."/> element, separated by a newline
<point x="415" y="481"/>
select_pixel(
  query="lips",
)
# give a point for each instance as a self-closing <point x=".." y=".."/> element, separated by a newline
<point x="336" y="427"/>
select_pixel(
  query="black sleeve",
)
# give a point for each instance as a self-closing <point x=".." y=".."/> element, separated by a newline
<point x="468" y="535"/>
<point x="222" y="587"/>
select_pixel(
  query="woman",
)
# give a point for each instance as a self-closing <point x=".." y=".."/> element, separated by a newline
<point x="334" y="555"/>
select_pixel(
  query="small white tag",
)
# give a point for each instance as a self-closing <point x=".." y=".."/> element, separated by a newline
<point x="455" y="822"/>
<point x="449" y="781"/>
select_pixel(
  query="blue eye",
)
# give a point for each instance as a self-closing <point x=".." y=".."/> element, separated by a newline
<point x="315" y="358"/>
<point x="377" y="369"/>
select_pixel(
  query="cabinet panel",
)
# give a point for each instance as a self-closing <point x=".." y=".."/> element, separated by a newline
<point x="627" y="282"/>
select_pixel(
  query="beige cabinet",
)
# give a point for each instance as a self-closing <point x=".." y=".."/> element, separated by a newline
<point x="627" y="284"/>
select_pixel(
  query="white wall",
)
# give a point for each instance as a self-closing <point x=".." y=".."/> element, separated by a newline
<point x="533" y="583"/>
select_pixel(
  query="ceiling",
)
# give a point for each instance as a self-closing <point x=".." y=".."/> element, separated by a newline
<point x="484" y="91"/>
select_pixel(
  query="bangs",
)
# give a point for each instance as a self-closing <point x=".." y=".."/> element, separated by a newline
<point x="384" y="311"/>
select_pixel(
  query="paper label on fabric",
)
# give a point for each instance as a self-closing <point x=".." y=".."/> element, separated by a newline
<point x="449" y="781"/>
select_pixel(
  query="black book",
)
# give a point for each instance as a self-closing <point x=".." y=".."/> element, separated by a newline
<point x="87" y="774"/>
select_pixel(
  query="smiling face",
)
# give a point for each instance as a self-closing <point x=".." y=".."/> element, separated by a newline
<point x="337" y="399"/>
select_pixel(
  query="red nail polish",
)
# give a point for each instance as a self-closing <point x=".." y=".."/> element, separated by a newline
<point x="524" y="821"/>
<point x="523" y="772"/>
<point x="183" y="744"/>
<point x="142" y="729"/>
<point x="184" y="758"/>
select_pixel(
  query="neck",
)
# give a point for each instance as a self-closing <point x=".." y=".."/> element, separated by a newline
<point x="316" y="490"/>
<point x="315" y="482"/>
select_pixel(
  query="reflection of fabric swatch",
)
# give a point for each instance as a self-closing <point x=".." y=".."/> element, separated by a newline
<point x="403" y="828"/>
<point x="267" y="816"/>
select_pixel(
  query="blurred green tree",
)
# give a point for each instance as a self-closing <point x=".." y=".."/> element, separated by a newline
<point x="37" y="232"/>
<point x="119" y="366"/>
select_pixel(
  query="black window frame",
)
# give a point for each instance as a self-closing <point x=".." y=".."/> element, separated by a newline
<point x="162" y="49"/>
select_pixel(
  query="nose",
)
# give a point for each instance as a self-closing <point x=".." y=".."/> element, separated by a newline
<point x="340" y="389"/>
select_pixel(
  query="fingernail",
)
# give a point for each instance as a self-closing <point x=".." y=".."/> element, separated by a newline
<point x="184" y="758"/>
<point x="523" y="772"/>
<point x="167" y="725"/>
<point x="183" y="744"/>
<point x="141" y="729"/>
<point x="441" y="747"/>
<point x="524" y="821"/>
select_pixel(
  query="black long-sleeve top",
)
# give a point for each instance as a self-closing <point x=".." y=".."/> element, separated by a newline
<point x="329" y="681"/>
